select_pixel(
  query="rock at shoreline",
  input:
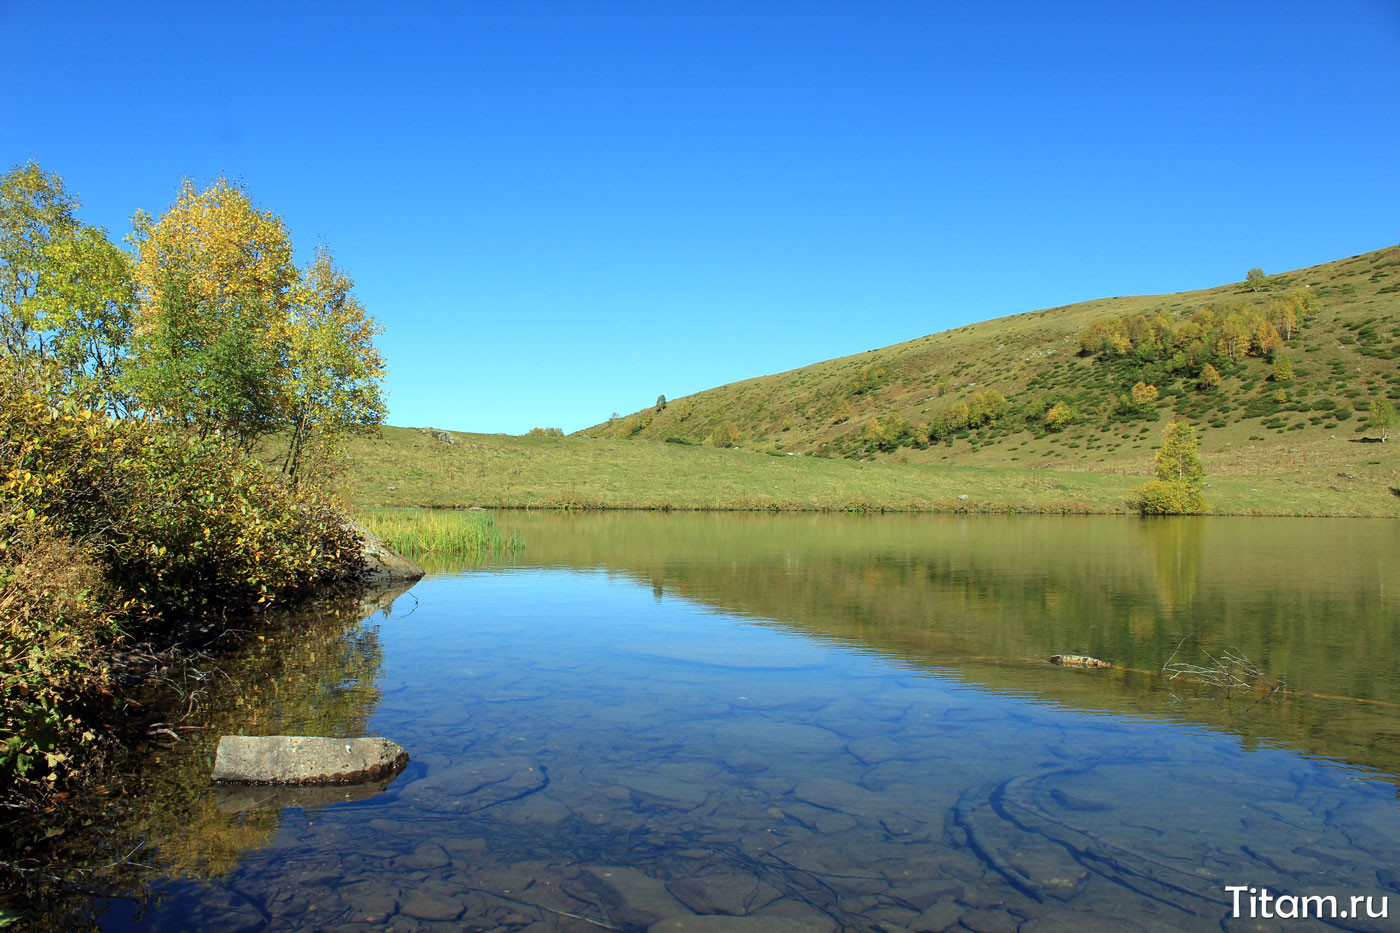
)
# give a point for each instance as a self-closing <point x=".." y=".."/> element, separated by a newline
<point x="383" y="564"/>
<point x="304" y="759"/>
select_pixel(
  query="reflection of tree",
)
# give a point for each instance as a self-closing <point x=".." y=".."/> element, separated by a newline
<point x="1175" y="546"/>
<point x="312" y="674"/>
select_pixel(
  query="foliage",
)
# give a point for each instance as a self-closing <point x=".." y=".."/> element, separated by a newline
<point x="1282" y="370"/>
<point x="217" y="283"/>
<point x="724" y="435"/>
<point x="660" y="402"/>
<point x="1209" y="378"/>
<point x="1255" y="279"/>
<point x="1179" y="486"/>
<point x="332" y="384"/>
<point x="1382" y="416"/>
<point x="1058" y="417"/>
<point x="155" y="526"/>
<point x="66" y="292"/>
<point x="233" y="338"/>
<point x="546" y="432"/>
<point x="57" y="613"/>
<point x="1143" y="395"/>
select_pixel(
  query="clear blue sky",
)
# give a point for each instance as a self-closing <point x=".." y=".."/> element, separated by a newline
<point x="561" y="210"/>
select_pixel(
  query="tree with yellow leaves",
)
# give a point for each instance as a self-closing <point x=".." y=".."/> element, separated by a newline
<point x="233" y="337"/>
<point x="216" y="281"/>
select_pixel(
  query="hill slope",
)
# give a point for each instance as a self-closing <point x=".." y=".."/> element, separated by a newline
<point x="885" y="404"/>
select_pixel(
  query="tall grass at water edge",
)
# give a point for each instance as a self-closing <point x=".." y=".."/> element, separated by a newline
<point x="440" y="532"/>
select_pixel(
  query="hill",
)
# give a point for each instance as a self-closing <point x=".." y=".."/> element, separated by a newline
<point x="1336" y="325"/>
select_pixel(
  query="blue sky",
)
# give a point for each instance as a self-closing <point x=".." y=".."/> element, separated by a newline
<point x="561" y="210"/>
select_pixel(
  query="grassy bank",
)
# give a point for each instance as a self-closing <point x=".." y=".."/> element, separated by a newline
<point x="423" y="534"/>
<point x="410" y="467"/>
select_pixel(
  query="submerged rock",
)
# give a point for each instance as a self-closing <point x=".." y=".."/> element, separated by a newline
<point x="475" y="785"/>
<point x="304" y="759"/>
<point x="239" y="798"/>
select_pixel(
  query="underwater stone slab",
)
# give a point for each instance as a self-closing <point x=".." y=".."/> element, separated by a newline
<point x="723" y="893"/>
<point x="721" y="924"/>
<point x="476" y="785"/>
<point x="240" y="798"/>
<point x="304" y="759"/>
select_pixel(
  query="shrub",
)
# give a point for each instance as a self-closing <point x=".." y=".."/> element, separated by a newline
<point x="725" y="435"/>
<point x="1160" y="497"/>
<point x="1058" y="417"/>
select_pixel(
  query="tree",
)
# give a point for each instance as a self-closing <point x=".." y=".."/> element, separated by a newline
<point x="1058" y="417"/>
<point x="1180" y="483"/>
<point x="217" y="284"/>
<point x="1210" y="377"/>
<point x="725" y="435"/>
<point x="1382" y="416"/>
<point x="1283" y="369"/>
<point x="660" y="402"/>
<point x="1143" y="395"/>
<point x="66" y="291"/>
<point x="332" y="386"/>
<point x="1254" y="278"/>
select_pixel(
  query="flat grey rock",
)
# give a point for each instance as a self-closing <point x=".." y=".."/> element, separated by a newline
<point x="304" y="759"/>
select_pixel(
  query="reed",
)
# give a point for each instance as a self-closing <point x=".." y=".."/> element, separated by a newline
<point x="440" y="532"/>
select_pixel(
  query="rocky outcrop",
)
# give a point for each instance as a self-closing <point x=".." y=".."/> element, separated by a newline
<point x="383" y="564"/>
<point x="304" y="759"/>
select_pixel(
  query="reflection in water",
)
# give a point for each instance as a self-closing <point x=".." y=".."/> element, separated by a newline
<point x="314" y="673"/>
<point x="1311" y="602"/>
<point x="825" y="723"/>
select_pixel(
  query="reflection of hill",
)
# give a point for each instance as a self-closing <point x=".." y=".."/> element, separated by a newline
<point x="1311" y="601"/>
<point x="312" y="674"/>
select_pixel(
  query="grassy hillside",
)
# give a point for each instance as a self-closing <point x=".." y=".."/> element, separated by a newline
<point x="1342" y="356"/>
<point x="1299" y="445"/>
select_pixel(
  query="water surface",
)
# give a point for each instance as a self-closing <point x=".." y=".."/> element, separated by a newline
<point x="818" y="722"/>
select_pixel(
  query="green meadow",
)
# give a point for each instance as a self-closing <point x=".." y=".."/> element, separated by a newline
<point x="411" y="467"/>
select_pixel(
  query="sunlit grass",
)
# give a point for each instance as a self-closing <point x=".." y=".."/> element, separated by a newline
<point x="440" y="532"/>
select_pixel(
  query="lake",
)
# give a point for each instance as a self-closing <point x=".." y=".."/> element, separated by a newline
<point x="720" y="722"/>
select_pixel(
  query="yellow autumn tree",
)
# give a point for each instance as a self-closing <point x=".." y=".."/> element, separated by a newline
<point x="216" y="281"/>
<point x="231" y="336"/>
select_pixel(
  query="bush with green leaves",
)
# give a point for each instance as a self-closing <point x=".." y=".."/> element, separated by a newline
<point x="1180" y="483"/>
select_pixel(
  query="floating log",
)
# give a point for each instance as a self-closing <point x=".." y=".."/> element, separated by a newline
<point x="1077" y="660"/>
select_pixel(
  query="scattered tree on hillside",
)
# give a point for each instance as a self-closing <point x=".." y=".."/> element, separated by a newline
<point x="660" y="402"/>
<point x="1180" y="483"/>
<point x="1382" y="416"/>
<point x="1283" y="369"/>
<point x="1058" y="417"/>
<point x="1209" y="378"/>
<point x="1143" y="395"/>
<point x="724" y="435"/>
<point x="1255" y="279"/>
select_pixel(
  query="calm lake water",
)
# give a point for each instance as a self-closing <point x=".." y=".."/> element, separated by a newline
<point x="815" y="723"/>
